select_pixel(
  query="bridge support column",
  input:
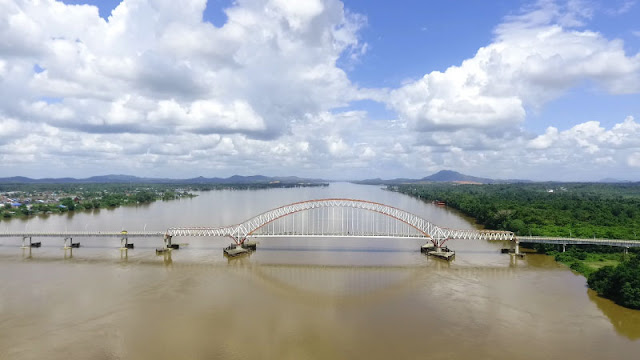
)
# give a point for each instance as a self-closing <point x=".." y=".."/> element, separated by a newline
<point x="31" y="244"/>
<point x="564" y="247"/>
<point x="124" y="243"/>
<point x="439" y="252"/>
<point x="69" y="244"/>
<point x="168" y="244"/>
<point x="516" y="244"/>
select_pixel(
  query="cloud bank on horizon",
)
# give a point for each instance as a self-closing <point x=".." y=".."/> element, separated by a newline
<point x="156" y="90"/>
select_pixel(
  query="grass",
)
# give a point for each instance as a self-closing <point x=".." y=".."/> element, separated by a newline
<point x="586" y="262"/>
<point x="595" y="265"/>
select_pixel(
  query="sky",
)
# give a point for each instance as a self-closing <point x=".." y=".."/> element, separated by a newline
<point x="353" y="89"/>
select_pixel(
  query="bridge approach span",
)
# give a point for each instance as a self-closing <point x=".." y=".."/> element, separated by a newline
<point x="578" y="241"/>
<point x="84" y="234"/>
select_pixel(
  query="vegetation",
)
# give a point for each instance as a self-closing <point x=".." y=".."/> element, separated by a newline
<point x="569" y="210"/>
<point x="60" y="198"/>
<point x="620" y="283"/>
<point x="585" y="259"/>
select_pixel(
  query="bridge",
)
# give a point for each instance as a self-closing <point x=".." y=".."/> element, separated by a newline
<point x="341" y="218"/>
<point x="578" y="241"/>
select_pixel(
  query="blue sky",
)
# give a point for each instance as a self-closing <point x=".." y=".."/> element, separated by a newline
<point x="542" y="89"/>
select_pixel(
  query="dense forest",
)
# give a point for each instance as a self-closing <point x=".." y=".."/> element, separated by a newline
<point x="564" y="210"/>
<point x="571" y="210"/>
<point x="620" y="284"/>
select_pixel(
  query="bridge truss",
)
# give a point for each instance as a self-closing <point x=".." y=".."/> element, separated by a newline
<point x="324" y="218"/>
<point x="339" y="218"/>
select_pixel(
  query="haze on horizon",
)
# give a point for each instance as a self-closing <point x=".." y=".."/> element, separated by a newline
<point x="354" y="89"/>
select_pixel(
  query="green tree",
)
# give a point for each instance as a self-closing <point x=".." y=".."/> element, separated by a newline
<point x="68" y="203"/>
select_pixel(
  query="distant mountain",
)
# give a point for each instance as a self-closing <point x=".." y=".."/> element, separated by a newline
<point x="440" y="176"/>
<point x="114" y="179"/>
<point x="451" y="176"/>
<point x="17" y="180"/>
<point x="127" y="179"/>
<point x="614" y="181"/>
<point x="378" y="181"/>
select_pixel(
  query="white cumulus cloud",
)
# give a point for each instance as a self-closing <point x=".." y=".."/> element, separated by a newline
<point x="154" y="88"/>
<point x="532" y="60"/>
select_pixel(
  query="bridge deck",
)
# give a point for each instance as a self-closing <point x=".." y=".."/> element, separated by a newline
<point x="65" y="234"/>
<point x="140" y="234"/>
<point x="376" y="236"/>
<point x="578" y="241"/>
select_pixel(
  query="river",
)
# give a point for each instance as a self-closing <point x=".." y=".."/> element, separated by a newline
<point x="293" y="298"/>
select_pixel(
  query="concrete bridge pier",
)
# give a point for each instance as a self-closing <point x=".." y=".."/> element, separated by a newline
<point x="125" y="244"/>
<point x="439" y="252"/>
<point x="69" y="244"/>
<point x="515" y="245"/>
<point x="31" y="244"/>
<point x="168" y="244"/>
<point x="564" y="247"/>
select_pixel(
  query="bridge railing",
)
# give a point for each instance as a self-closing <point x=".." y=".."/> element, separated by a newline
<point x="579" y="241"/>
<point x="19" y="234"/>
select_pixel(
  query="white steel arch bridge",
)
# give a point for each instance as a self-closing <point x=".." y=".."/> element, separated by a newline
<point x="323" y="218"/>
<point x="339" y="218"/>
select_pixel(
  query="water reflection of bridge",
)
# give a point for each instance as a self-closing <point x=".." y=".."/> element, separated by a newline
<point x="341" y="218"/>
<point x="317" y="284"/>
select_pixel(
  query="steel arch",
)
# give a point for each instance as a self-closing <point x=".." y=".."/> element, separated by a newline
<point x="239" y="232"/>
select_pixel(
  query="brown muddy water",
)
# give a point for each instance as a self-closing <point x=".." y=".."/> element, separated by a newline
<point x="293" y="298"/>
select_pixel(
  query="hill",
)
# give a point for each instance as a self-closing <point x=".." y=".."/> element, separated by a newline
<point x="128" y="179"/>
<point x="440" y="176"/>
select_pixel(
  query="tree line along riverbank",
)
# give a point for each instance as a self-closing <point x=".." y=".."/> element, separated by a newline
<point x="564" y="210"/>
<point x="24" y="200"/>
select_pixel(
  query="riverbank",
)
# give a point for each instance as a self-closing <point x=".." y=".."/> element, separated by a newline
<point x="24" y="202"/>
<point x="604" y="210"/>
<point x="28" y="200"/>
<point x="583" y="259"/>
